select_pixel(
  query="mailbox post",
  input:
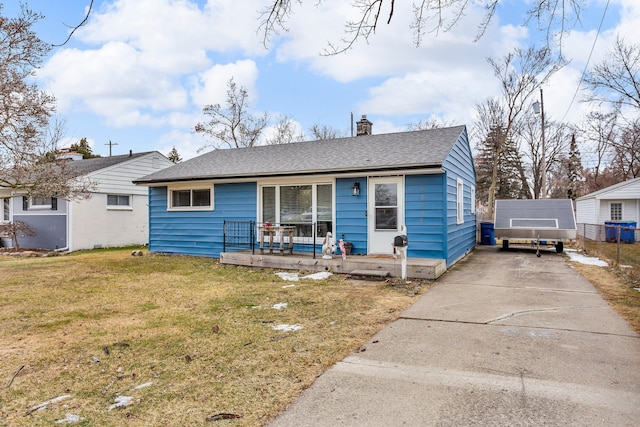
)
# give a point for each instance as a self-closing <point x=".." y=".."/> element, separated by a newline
<point x="400" y="244"/>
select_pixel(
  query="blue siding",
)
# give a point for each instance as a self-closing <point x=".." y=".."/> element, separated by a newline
<point x="461" y="238"/>
<point x="351" y="213"/>
<point x="424" y="215"/>
<point x="198" y="232"/>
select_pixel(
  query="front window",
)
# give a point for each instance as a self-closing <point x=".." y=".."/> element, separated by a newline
<point x="184" y="198"/>
<point x="301" y="206"/>
<point x="616" y="211"/>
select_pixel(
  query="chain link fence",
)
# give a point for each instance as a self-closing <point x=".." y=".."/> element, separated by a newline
<point x="615" y="243"/>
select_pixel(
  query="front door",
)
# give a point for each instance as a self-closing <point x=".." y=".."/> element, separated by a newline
<point x="385" y="212"/>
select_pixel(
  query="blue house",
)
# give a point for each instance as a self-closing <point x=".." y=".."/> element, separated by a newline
<point x="362" y="189"/>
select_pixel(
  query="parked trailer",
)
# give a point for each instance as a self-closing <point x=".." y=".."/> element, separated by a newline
<point x="541" y="220"/>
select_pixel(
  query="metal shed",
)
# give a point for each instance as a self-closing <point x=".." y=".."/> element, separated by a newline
<point x="540" y="221"/>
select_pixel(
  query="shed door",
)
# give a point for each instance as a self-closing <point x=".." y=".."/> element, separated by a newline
<point x="385" y="212"/>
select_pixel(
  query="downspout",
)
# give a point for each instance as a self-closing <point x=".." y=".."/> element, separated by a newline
<point x="68" y="216"/>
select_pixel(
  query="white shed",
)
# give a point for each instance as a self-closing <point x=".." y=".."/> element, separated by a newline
<point x="619" y="202"/>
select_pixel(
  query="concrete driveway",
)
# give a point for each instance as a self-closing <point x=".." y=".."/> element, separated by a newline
<point x="503" y="339"/>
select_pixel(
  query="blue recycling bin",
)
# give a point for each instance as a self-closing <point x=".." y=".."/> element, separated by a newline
<point x="627" y="233"/>
<point x="487" y="233"/>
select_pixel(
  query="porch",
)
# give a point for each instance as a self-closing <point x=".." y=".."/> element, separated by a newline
<point x="357" y="265"/>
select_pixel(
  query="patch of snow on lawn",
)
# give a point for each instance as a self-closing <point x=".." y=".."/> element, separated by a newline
<point x="279" y="306"/>
<point x="287" y="328"/>
<point x="576" y="257"/>
<point x="289" y="277"/>
<point x="318" y="276"/>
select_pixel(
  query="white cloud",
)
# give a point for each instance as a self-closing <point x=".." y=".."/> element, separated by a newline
<point x="211" y="85"/>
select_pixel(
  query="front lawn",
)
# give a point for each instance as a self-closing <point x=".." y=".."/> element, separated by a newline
<point x="115" y="340"/>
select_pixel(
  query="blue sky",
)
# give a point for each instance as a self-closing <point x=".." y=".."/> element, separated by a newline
<point x="140" y="71"/>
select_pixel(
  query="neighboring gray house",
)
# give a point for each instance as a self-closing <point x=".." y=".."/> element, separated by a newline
<point x="115" y="215"/>
<point x="363" y="188"/>
<point x="619" y="202"/>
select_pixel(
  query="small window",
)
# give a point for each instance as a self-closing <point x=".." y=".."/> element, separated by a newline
<point x="40" y="202"/>
<point x="460" y="202"/>
<point x="118" y="200"/>
<point x="5" y="209"/>
<point x="616" y="211"/>
<point x="191" y="198"/>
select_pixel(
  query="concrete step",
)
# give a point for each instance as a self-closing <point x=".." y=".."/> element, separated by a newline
<point x="371" y="273"/>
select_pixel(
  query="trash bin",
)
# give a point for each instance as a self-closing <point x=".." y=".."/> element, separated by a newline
<point x="627" y="232"/>
<point x="487" y="233"/>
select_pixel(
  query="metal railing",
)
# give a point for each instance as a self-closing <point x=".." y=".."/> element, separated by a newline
<point x="239" y="235"/>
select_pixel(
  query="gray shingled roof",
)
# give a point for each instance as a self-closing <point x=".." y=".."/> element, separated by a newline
<point x="86" y="166"/>
<point x="415" y="149"/>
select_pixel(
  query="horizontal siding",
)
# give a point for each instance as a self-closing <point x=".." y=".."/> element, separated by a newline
<point x="424" y="216"/>
<point x="198" y="232"/>
<point x="461" y="238"/>
<point x="586" y="211"/>
<point x="118" y="179"/>
<point x="351" y="218"/>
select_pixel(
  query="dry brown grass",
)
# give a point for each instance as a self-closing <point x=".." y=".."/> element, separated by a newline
<point x="616" y="284"/>
<point x="201" y="333"/>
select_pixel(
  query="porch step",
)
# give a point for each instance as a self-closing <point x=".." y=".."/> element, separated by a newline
<point x="371" y="273"/>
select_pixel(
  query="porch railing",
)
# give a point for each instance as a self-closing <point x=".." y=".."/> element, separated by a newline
<point x="239" y="235"/>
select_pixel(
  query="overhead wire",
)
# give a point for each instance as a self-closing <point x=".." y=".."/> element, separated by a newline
<point x="586" y="65"/>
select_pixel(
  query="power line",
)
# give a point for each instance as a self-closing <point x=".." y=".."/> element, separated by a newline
<point x="586" y="65"/>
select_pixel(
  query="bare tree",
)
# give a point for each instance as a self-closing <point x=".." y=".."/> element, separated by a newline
<point x="557" y="140"/>
<point x="616" y="80"/>
<point x="520" y="74"/>
<point x="600" y="132"/>
<point x="430" y="123"/>
<point x="324" y="132"/>
<point x="285" y="132"/>
<point x="626" y="151"/>
<point x="233" y="126"/>
<point x="17" y="229"/>
<point x="28" y="137"/>
<point x="553" y="17"/>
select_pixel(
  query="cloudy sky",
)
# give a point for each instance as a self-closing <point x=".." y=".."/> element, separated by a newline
<point x="140" y="71"/>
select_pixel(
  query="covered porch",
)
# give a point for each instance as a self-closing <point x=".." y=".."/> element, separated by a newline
<point x="357" y="265"/>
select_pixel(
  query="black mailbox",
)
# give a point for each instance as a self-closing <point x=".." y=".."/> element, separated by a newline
<point x="400" y="240"/>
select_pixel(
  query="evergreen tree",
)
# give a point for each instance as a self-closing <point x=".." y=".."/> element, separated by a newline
<point x="83" y="147"/>
<point x="173" y="156"/>
<point x="574" y="169"/>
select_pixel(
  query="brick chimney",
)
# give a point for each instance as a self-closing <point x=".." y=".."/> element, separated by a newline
<point x="364" y="126"/>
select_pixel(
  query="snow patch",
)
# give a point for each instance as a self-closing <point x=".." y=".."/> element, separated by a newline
<point x="576" y="257"/>
<point x="121" y="401"/>
<point x="287" y="328"/>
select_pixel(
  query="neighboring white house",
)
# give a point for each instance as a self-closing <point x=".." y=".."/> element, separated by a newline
<point x="116" y="214"/>
<point x="619" y="202"/>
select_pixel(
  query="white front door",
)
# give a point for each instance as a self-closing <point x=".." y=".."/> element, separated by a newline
<point x="385" y="212"/>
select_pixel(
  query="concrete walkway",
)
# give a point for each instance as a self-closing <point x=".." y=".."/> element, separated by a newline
<point x="503" y="339"/>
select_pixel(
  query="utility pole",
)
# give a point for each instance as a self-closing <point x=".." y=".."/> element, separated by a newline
<point x="111" y="144"/>
<point x="538" y="108"/>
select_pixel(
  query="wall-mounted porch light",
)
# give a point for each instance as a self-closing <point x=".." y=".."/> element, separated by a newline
<point x="355" y="190"/>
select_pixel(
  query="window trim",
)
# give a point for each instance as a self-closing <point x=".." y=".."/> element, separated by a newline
<point x="459" y="201"/>
<point x="473" y="200"/>
<point x="7" y="201"/>
<point x="190" y="186"/>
